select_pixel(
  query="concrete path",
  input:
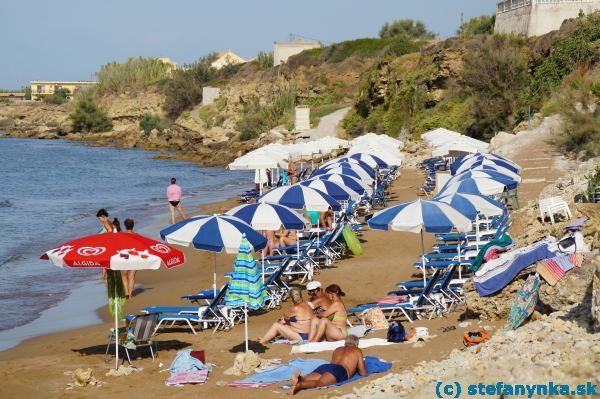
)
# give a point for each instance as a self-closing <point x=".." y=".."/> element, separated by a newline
<point x="327" y="126"/>
<point x="540" y="161"/>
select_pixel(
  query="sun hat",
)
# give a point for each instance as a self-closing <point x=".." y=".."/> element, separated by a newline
<point x="313" y="285"/>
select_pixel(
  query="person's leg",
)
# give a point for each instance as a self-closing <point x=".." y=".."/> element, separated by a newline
<point x="280" y="329"/>
<point x="172" y="210"/>
<point x="310" y="381"/>
<point x="321" y="328"/>
<point x="314" y="325"/>
<point x="125" y="282"/>
<point x="131" y="276"/>
<point x="103" y="275"/>
<point x="181" y="212"/>
<point x="334" y="333"/>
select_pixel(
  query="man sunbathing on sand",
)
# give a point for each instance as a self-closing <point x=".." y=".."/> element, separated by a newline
<point x="345" y="361"/>
<point x="295" y="323"/>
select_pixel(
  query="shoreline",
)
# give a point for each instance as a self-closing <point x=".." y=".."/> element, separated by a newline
<point x="12" y="338"/>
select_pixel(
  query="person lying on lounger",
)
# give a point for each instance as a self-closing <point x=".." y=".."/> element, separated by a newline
<point x="331" y="323"/>
<point x="294" y="324"/>
<point x="345" y="362"/>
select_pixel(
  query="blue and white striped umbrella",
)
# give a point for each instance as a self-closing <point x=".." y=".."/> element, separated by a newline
<point x="352" y="183"/>
<point x="466" y="164"/>
<point x="420" y="215"/>
<point x="298" y="197"/>
<point x="350" y="162"/>
<point x="370" y="159"/>
<point x="338" y="192"/>
<point x="483" y="186"/>
<point x="472" y="204"/>
<point x="345" y="169"/>
<point x="272" y="217"/>
<point x="498" y="169"/>
<point x="509" y="182"/>
<point x="213" y="233"/>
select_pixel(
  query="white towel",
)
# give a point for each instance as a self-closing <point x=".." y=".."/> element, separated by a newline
<point x="313" y="347"/>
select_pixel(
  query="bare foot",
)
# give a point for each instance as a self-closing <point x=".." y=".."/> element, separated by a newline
<point x="295" y="380"/>
<point x="260" y="341"/>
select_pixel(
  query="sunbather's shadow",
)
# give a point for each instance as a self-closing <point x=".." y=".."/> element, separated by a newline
<point x="143" y="352"/>
<point x="254" y="346"/>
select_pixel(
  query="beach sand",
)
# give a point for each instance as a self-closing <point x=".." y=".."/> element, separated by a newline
<point x="36" y="367"/>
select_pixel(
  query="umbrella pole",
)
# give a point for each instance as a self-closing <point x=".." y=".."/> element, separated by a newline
<point x="459" y="263"/>
<point x="215" y="276"/>
<point x="263" y="265"/>
<point x="246" y="323"/>
<point x="423" y="259"/>
<point x="116" y="328"/>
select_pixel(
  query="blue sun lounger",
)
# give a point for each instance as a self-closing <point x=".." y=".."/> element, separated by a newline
<point x="415" y="305"/>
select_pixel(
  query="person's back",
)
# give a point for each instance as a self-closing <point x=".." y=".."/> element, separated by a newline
<point x="348" y="357"/>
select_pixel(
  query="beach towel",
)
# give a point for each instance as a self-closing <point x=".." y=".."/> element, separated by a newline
<point x="189" y="377"/>
<point x="524" y="303"/>
<point x="554" y="269"/>
<point x="375" y="319"/>
<point x="184" y="362"/>
<point x="392" y="299"/>
<point x="313" y="347"/>
<point x="372" y="364"/>
<point x="285" y="371"/>
<point x="250" y="385"/>
<point x="499" y="245"/>
<point x="497" y="273"/>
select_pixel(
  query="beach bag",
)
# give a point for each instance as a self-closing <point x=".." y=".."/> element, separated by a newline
<point x="352" y="241"/>
<point x="396" y="332"/>
<point x="375" y="319"/>
<point x="475" y="337"/>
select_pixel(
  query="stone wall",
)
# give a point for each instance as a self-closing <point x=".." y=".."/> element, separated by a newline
<point x="513" y="21"/>
<point x="541" y="16"/>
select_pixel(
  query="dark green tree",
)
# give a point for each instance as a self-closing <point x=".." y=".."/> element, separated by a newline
<point x="406" y="27"/>
<point x="87" y="117"/>
<point x="482" y="25"/>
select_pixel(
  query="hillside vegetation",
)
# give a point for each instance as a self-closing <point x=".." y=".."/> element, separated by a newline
<point x="480" y="83"/>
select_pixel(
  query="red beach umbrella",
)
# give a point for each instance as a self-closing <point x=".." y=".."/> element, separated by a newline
<point x="115" y="251"/>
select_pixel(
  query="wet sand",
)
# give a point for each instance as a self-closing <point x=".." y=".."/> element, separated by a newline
<point x="36" y="367"/>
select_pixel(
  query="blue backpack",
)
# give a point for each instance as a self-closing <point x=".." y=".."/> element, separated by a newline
<point x="396" y="332"/>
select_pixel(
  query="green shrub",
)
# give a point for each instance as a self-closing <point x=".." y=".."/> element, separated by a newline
<point x="257" y="118"/>
<point x="87" y="117"/>
<point x="569" y="51"/>
<point x="59" y="96"/>
<point x="406" y="27"/>
<point x="135" y="73"/>
<point x="482" y="25"/>
<point x="494" y="75"/>
<point x="184" y="90"/>
<point x="152" y="121"/>
<point x="264" y="60"/>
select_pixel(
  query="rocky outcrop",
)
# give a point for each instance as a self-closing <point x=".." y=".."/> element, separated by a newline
<point x="549" y="349"/>
<point x="595" y="305"/>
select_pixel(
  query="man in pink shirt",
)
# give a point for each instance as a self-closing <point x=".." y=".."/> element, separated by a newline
<point x="174" y="198"/>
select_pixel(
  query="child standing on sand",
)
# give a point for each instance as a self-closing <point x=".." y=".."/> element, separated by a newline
<point x="174" y="198"/>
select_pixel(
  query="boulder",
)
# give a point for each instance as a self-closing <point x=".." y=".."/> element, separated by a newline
<point x="500" y="139"/>
<point x="497" y="306"/>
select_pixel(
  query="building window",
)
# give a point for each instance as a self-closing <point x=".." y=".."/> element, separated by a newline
<point x="41" y="89"/>
<point x="57" y="88"/>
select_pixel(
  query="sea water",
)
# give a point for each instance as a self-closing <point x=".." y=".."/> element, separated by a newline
<point x="50" y="191"/>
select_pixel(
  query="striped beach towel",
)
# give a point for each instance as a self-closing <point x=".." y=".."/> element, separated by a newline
<point x="554" y="269"/>
<point x="392" y="299"/>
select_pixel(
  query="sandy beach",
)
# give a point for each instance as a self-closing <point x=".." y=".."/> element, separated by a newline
<point x="35" y="368"/>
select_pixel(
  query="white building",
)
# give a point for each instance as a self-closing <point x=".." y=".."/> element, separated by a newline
<point x="283" y="51"/>
<point x="227" y="58"/>
<point x="537" y="17"/>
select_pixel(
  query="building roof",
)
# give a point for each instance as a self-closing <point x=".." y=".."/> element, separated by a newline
<point x="227" y="58"/>
<point x="79" y="82"/>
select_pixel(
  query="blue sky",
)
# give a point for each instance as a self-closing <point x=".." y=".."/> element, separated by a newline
<point x="70" y="39"/>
